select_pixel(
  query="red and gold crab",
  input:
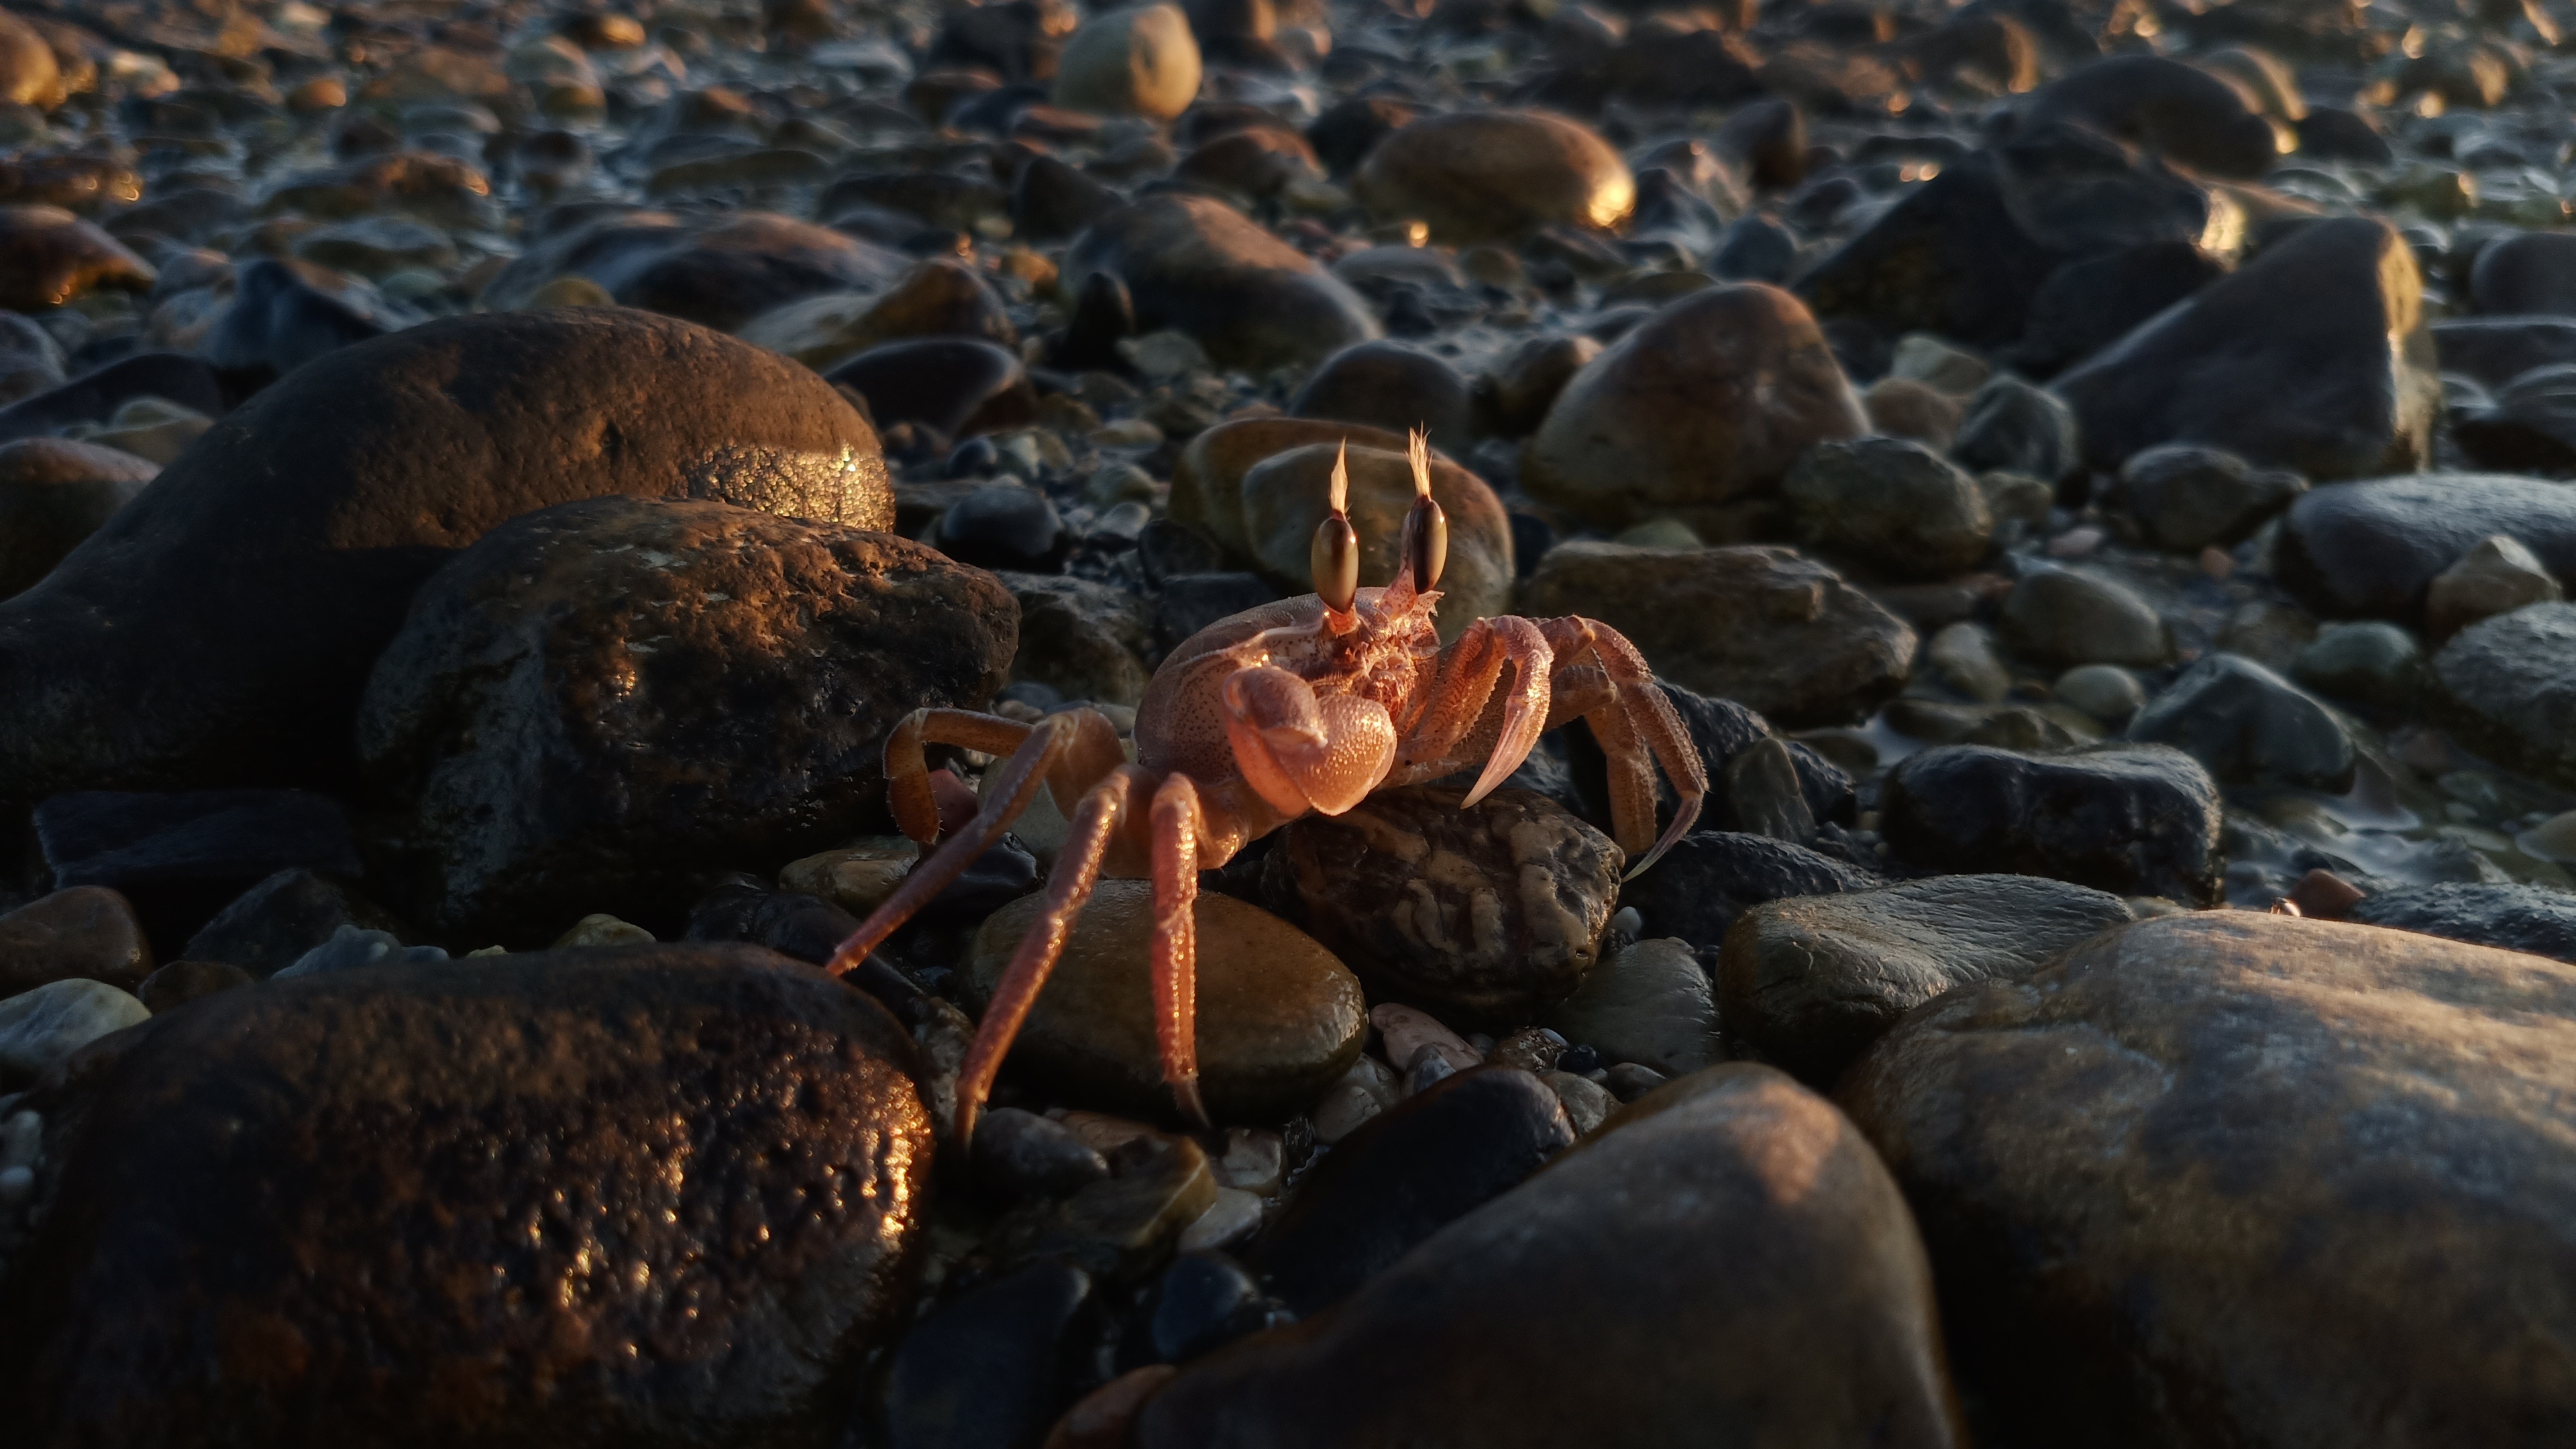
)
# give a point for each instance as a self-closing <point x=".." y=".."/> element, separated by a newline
<point x="1307" y="704"/>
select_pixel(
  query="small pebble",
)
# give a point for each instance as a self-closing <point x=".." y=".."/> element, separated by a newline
<point x="1229" y="1220"/>
<point x="1587" y="1103"/>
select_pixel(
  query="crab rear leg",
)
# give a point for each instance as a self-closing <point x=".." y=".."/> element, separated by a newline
<point x="1179" y="827"/>
<point x="1607" y="681"/>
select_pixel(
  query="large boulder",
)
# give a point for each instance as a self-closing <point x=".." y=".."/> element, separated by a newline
<point x="2134" y="820"/>
<point x="2509" y="689"/>
<point x="605" y="705"/>
<point x="1725" y="1263"/>
<point x="1197" y="265"/>
<point x="650" y="1195"/>
<point x="2313" y="356"/>
<point x="1696" y="414"/>
<point x="218" y="629"/>
<point x="2251" y="1180"/>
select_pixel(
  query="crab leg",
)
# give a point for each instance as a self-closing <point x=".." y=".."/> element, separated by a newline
<point x="1178" y="825"/>
<point x="1461" y="707"/>
<point x="1094" y="824"/>
<point x="1638" y="728"/>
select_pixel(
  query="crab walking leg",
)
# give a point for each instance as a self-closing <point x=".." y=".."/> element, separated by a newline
<point x="1017" y="785"/>
<point x="1077" y="870"/>
<point x="1637" y="728"/>
<point x="1465" y="716"/>
<point x="907" y="767"/>
<point x="1178" y="824"/>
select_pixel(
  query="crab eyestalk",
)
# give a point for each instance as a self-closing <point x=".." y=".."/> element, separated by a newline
<point x="1335" y="557"/>
<point x="1426" y="529"/>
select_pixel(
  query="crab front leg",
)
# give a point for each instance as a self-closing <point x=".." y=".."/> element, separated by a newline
<point x="1458" y="717"/>
<point x="1605" y="679"/>
<point x="1303" y="751"/>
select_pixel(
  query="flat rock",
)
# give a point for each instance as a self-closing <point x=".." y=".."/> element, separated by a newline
<point x="220" y="628"/>
<point x="1811" y="982"/>
<point x="662" y="1194"/>
<point x="2129" y="819"/>
<point x="1496" y="176"/>
<point x="2313" y="356"/>
<point x="2529" y="918"/>
<point x="1761" y="626"/>
<point x="87" y="931"/>
<point x="1194" y="264"/>
<point x="1696" y="414"/>
<point x="2245" y="1179"/>
<point x="605" y="705"/>
<point x="1628" y="1248"/>
<point x="1279" y="1018"/>
<point x="1709" y="879"/>
<point x="1496" y="912"/>
<point x="2509" y="689"/>
<point x="2371" y="550"/>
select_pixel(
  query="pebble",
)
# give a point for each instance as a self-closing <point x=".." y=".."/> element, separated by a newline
<point x="856" y="877"/>
<point x="2371" y="550"/>
<point x="2071" y="616"/>
<point x="1496" y="175"/>
<point x="991" y="1366"/>
<point x="1195" y="264"/>
<point x="85" y="932"/>
<point x="600" y="929"/>
<point x="2249" y="725"/>
<point x="1964" y="657"/>
<point x="41" y="1026"/>
<point x="1697" y="891"/>
<point x="1892" y="503"/>
<point x="1228" y="1221"/>
<point x="1650" y="1005"/>
<point x="352" y="947"/>
<point x="2496" y="576"/>
<point x="1279" y="1018"/>
<point x="1141" y="61"/>
<point x="2187" y="497"/>
<point x="2509" y="687"/>
<point x="2107" y="692"/>
<point x="1021" y="1154"/>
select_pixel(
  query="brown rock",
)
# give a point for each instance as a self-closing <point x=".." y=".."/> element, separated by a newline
<point x="653" y="1195"/>
<point x="1496" y="912"/>
<point x="1609" y="1301"/>
<point x="2248" y="1179"/>
<point x="49" y="257"/>
<point x="175" y="985"/>
<point x="1696" y="414"/>
<point x="1497" y="175"/>
<point x="53" y="493"/>
<point x="1764" y="627"/>
<point x="29" y="74"/>
<point x="940" y="298"/>
<point x="1194" y="264"/>
<point x="87" y="931"/>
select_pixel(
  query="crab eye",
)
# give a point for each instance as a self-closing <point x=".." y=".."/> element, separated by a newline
<point x="1426" y="541"/>
<point x="1336" y="563"/>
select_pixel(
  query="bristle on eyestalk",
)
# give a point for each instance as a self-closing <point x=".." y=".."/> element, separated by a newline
<point x="1418" y="452"/>
<point x="1341" y="495"/>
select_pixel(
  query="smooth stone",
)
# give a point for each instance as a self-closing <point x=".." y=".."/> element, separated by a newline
<point x="1196" y="265"/>
<point x="1721" y="731"/>
<point x="2183" y="111"/>
<point x="544" y="1099"/>
<point x="29" y="73"/>
<point x="2528" y="426"/>
<point x="2525" y="274"/>
<point x="1587" y="1103"/>
<point x="2240" y="1178"/>
<point x="1125" y="1227"/>
<point x="602" y="929"/>
<point x="1392" y="387"/>
<point x="87" y="932"/>
<point x="1261" y="485"/>
<point x="990" y="1368"/>
<point x="2087" y="305"/>
<point x="720" y="270"/>
<point x="2068" y="616"/>
<point x="2248" y="725"/>
<point x="1811" y="982"/>
<point x="1404" y="1033"/>
<point x="1964" y="657"/>
<point x="54" y="493"/>
<point x="1709" y="879"/>
<point x="1493" y="175"/>
<point x="1496" y="912"/>
<point x="2014" y="427"/>
<point x="1650" y="1004"/>
<point x="2495" y="350"/>
<point x="180" y="982"/>
<point x="1762" y="626"/>
<point x="1203" y="1301"/>
<point x="352" y="948"/>
<point x="1052" y="200"/>
<point x="220" y="628"/>
<point x="2187" y="497"/>
<point x="1278" y="1017"/>
<point x="1140" y="61"/>
<point x="2134" y="820"/>
<point x="267" y="927"/>
<point x="2496" y="576"/>
<point x="1003" y="525"/>
<point x="1891" y="503"/>
<point x="2107" y="692"/>
<point x="178" y="858"/>
<point x="941" y="297"/>
<point x="41" y="1027"/>
<point x="1524" y="384"/>
<point x="1084" y="640"/>
<point x="1403" y="1176"/>
<point x="286" y="313"/>
<point x="2373" y="663"/>
<point x="1697" y="414"/>
<point x="1019" y="1154"/>
<point x="2529" y="918"/>
<point x="957" y="385"/>
<point x="2508" y="689"/>
<point x="31" y="361"/>
<point x="2372" y="550"/>
<point x="1627" y="1249"/>
<point x="1913" y="411"/>
<point x="1765" y="796"/>
<point x="2313" y="356"/>
<point x="50" y="258"/>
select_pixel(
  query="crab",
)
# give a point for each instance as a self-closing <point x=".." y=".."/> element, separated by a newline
<point x="1306" y="705"/>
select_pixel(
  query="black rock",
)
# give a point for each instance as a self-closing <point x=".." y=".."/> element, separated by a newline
<point x="1004" y="526"/>
<point x="179" y="858"/>
<point x="2330" y="133"/>
<point x="94" y="397"/>
<point x="2492" y="350"/>
<point x="1755" y="249"/>
<point x="954" y="384"/>
<point x="2014" y="427"/>
<point x="1351" y="128"/>
<point x="1019" y="1155"/>
<point x="1391" y="386"/>
<point x="447" y="1194"/>
<point x="2526" y="273"/>
<point x="742" y="908"/>
<point x="1203" y="1301"/>
<point x="286" y="313"/>
<point x="269" y="926"/>
<point x="2175" y="108"/>
<point x="1708" y="879"/>
<point x="991" y="1368"/>
<point x="1168" y="548"/>
<point x="1051" y="200"/>
<point x="2514" y="917"/>
<point x="2370" y="550"/>
<point x="2129" y="819"/>
<point x="1404" y="1174"/>
<point x="2089" y="304"/>
<point x="2312" y="356"/>
<point x="1722" y="729"/>
<point x="1191" y="602"/>
<point x="2248" y="725"/>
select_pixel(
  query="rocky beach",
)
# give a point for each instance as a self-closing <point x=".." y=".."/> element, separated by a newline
<point x="491" y="492"/>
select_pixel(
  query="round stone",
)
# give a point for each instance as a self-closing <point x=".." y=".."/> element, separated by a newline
<point x="1279" y="1018"/>
<point x="1137" y="62"/>
<point x="1496" y="175"/>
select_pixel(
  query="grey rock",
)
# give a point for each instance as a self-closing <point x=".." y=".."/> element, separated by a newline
<point x="2134" y="820"/>
<point x="2249" y="726"/>
<point x="2370" y="663"/>
<point x="2187" y="497"/>
<point x="2509" y="917"/>
<point x="1649" y="1004"/>
<point x="2107" y="692"/>
<point x="2070" y="616"/>
<point x="40" y="1027"/>
<point x="2371" y="550"/>
<point x="352" y="947"/>
<point x="2016" y="427"/>
<point x="1893" y="503"/>
<point x="2509" y="689"/>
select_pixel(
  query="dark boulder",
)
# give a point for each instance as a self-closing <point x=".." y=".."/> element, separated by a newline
<point x="2129" y="819"/>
